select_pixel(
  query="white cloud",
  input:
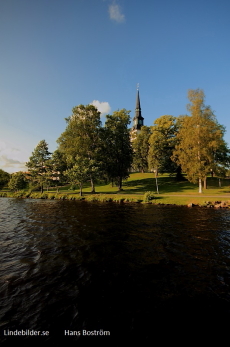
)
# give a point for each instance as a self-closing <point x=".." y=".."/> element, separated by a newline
<point x="102" y="107"/>
<point x="11" y="165"/>
<point x="11" y="158"/>
<point x="115" y="13"/>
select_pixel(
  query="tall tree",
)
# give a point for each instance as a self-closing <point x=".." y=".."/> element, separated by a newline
<point x="38" y="164"/>
<point x="162" y="143"/>
<point x="117" y="150"/>
<point x="81" y="139"/>
<point x="141" y="149"/>
<point x="200" y="140"/>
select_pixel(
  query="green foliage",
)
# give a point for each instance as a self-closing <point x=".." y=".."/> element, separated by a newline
<point x="38" y="165"/>
<point x="117" y="149"/>
<point x="58" y="167"/>
<point x="81" y="139"/>
<point x="44" y="196"/>
<point x="34" y="187"/>
<point x="148" y="196"/>
<point x="19" y="194"/>
<point x="18" y="181"/>
<point x="141" y="149"/>
<point x="4" y="178"/>
<point x="200" y="146"/>
<point x="162" y="143"/>
<point x="81" y="171"/>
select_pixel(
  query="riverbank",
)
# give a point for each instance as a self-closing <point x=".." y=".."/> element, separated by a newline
<point x="181" y="200"/>
<point x="141" y="188"/>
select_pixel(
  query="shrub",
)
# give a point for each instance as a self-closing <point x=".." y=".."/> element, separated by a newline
<point x="19" y="194"/>
<point x="92" y="198"/>
<point x="51" y="196"/>
<point x="62" y="196"/>
<point x="27" y="195"/>
<point x="35" y="195"/>
<point x="148" y="196"/>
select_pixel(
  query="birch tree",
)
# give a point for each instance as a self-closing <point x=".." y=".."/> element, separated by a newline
<point x="200" y="140"/>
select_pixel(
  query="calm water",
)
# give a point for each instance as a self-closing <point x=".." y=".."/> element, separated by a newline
<point x="136" y="272"/>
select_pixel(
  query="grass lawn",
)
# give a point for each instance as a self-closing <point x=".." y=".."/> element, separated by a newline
<point x="139" y="183"/>
<point x="170" y="190"/>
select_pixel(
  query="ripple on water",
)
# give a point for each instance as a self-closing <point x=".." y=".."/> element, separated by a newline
<point x="74" y="265"/>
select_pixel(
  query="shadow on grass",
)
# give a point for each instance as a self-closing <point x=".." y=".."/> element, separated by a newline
<point x="171" y="185"/>
<point x="140" y="186"/>
<point x="165" y="184"/>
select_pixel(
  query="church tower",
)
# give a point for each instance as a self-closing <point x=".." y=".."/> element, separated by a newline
<point x="138" y="120"/>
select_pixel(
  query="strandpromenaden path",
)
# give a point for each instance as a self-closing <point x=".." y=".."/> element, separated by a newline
<point x="135" y="187"/>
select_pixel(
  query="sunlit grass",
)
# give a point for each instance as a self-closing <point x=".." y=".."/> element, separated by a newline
<point x="139" y="183"/>
<point x="134" y="189"/>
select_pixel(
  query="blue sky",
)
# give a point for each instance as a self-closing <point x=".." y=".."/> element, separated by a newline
<point x="56" y="54"/>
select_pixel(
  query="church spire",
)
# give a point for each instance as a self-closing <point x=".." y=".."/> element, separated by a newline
<point x="138" y="119"/>
<point x="138" y="104"/>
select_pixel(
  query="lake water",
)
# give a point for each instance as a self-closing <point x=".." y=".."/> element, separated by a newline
<point x="79" y="273"/>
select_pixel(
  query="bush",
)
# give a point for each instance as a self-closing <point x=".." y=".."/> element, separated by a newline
<point x="62" y="196"/>
<point x="17" y="181"/>
<point x="148" y="196"/>
<point x="92" y="198"/>
<point x="35" y="195"/>
<point x="19" y="194"/>
<point x="51" y="196"/>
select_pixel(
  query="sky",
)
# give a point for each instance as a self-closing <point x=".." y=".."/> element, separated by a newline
<point x="57" y="54"/>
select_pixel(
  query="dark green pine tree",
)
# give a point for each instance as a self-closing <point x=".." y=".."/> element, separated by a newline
<point x="38" y="164"/>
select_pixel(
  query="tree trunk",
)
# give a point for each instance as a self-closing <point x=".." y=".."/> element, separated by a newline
<point x="219" y="182"/>
<point x="200" y="185"/>
<point x="92" y="186"/>
<point x="205" y="183"/>
<point x="120" y="183"/>
<point x="80" y="189"/>
<point x="156" y="182"/>
<point x="179" y="176"/>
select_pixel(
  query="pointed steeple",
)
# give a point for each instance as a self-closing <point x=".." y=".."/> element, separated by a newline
<point x="138" y="119"/>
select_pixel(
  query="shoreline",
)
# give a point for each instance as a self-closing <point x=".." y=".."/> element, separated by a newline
<point x="181" y="200"/>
